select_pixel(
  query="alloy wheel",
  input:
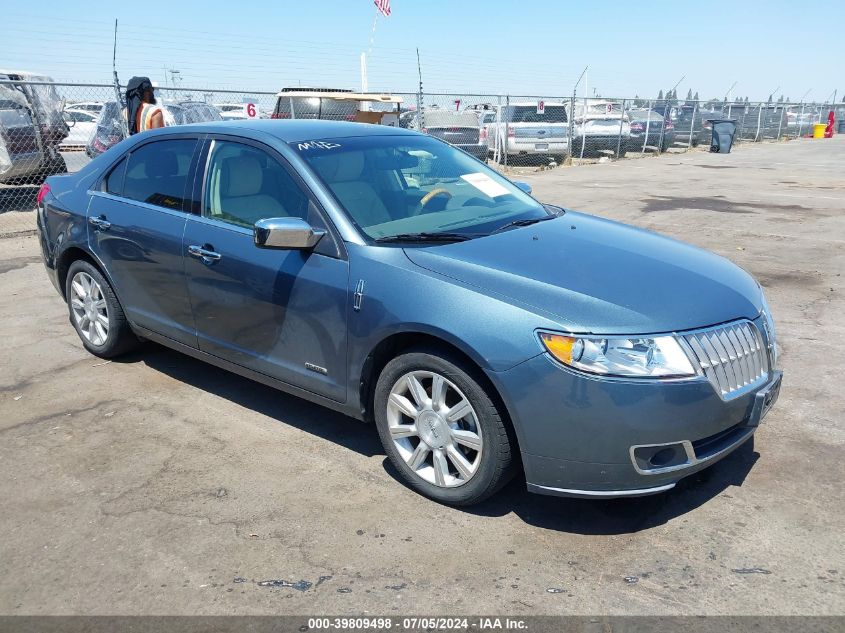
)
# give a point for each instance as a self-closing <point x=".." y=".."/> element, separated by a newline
<point x="89" y="308"/>
<point x="435" y="428"/>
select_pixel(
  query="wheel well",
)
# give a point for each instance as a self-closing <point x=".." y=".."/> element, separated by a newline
<point x="393" y="346"/>
<point x="66" y="259"/>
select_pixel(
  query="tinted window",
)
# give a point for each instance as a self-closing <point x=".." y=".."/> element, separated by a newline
<point x="157" y="173"/>
<point x="528" y="114"/>
<point x="244" y="184"/>
<point x="114" y="181"/>
<point x="315" y="108"/>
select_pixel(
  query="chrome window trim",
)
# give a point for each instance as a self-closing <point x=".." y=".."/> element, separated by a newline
<point x="143" y="205"/>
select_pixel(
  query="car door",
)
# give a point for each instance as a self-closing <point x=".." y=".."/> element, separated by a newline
<point x="136" y="219"/>
<point x="278" y="312"/>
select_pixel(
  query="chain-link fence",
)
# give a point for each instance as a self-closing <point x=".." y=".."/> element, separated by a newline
<point x="48" y="128"/>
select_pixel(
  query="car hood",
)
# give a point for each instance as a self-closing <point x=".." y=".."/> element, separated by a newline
<point x="593" y="275"/>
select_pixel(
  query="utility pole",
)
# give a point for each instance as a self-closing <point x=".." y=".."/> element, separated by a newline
<point x="420" y="106"/>
<point x="572" y="111"/>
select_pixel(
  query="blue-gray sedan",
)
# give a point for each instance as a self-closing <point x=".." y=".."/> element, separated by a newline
<point x="390" y="276"/>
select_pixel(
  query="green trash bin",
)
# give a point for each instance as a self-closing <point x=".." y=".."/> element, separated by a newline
<point x="724" y="131"/>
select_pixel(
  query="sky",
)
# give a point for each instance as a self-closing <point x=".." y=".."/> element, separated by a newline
<point x="495" y="46"/>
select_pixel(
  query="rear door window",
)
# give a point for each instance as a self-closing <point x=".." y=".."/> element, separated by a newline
<point x="157" y="173"/>
<point x="114" y="181"/>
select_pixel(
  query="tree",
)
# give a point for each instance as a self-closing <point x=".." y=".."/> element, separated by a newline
<point x="689" y="95"/>
<point x="695" y="98"/>
<point x="660" y="96"/>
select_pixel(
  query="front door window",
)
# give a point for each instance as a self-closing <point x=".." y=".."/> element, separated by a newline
<point x="244" y="184"/>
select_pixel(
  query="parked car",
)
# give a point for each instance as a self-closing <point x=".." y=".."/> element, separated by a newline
<point x="799" y="121"/>
<point x="239" y="111"/>
<point x="523" y="130"/>
<point x="649" y="130"/>
<point x="600" y="126"/>
<point x="461" y="129"/>
<point x="385" y="274"/>
<point x="338" y="105"/>
<point x="109" y="131"/>
<point x="89" y="106"/>
<point x="31" y="129"/>
<point x="82" y="124"/>
<point x="693" y="124"/>
<point x="408" y="119"/>
<point x="185" y="112"/>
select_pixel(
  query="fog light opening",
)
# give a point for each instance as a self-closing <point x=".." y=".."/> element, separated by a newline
<point x="665" y="457"/>
<point x="657" y="458"/>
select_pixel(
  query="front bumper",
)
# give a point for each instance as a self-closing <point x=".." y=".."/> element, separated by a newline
<point x="591" y="437"/>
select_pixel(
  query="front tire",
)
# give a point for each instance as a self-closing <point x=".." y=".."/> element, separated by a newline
<point x="95" y="312"/>
<point x="440" y="428"/>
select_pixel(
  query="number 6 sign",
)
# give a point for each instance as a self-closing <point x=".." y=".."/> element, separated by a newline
<point x="251" y="112"/>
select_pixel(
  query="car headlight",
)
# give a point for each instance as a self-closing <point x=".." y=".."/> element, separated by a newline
<point x="771" y="333"/>
<point x="657" y="357"/>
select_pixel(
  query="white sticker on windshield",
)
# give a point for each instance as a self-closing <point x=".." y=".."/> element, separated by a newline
<point x="485" y="184"/>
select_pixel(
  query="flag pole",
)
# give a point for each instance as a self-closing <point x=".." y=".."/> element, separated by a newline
<point x="373" y="33"/>
<point x="364" y="56"/>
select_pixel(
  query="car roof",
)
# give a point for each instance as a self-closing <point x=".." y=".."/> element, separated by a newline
<point x="295" y="130"/>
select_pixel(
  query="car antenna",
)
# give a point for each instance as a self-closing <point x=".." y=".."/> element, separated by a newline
<point x="123" y="125"/>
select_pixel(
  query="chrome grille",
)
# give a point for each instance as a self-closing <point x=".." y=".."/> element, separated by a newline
<point x="731" y="356"/>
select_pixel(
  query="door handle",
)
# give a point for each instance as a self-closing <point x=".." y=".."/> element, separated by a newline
<point x="100" y="223"/>
<point x="207" y="255"/>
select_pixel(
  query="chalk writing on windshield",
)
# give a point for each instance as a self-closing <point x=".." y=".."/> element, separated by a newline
<point x="316" y="145"/>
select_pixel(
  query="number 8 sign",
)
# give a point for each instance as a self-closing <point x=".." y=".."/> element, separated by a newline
<point x="251" y="112"/>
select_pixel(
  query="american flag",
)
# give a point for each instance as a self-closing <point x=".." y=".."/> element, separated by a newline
<point x="383" y="6"/>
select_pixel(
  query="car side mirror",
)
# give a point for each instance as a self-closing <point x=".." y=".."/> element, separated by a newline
<point x="286" y="233"/>
<point x="524" y="186"/>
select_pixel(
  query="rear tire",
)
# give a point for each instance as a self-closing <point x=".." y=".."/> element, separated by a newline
<point x="440" y="428"/>
<point x="95" y="312"/>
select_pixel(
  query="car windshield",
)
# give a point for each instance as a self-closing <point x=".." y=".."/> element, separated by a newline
<point x="397" y="185"/>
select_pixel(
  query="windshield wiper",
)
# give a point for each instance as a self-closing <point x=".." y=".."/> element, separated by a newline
<point x="425" y="237"/>
<point x="523" y="222"/>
